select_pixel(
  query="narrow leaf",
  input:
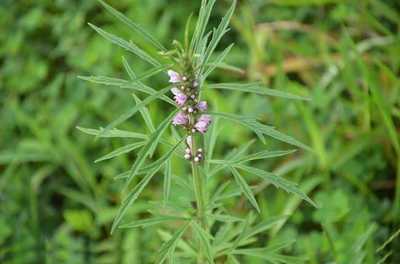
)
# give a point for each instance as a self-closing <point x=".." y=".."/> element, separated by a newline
<point x="255" y="88"/>
<point x="152" y="221"/>
<point x="113" y="133"/>
<point x="120" y="151"/>
<point x="128" y="114"/>
<point x="217" y="61"/>
<point x="135" y="27"/>
<point x="219" y="32"/>
<point x="277" y="181"/>
<point x="132" y="196"/>
<point x="245" y="188"/>
<point x="266" y="154"/>
<point x="169" y="246"/>
<point x="145" y="151"/>
<point x="145" y="114"/>
<point x="204" y="240"/>
<point x="129" y="46"/>
<point x="167" y="181"/>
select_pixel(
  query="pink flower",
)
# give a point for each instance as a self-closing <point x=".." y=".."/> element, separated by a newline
<point x="180" y="119"/>
<point x="180" y="97"/>
<point x="174" y="77"/>
<point x="202" y="106"/>
<point x="202" y="123"/>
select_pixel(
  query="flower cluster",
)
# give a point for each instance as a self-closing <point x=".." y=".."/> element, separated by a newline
<point x="190" y="117"/>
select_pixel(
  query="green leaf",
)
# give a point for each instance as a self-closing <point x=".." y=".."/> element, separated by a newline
<point x="120" y="151"/>
<point x="135" y="27"/>
<point x="124" y="84"/>
<point x="145" y="114"/>
<point x="113" y="133"/>
<point x="245" y="188"/>
<point x="266" y="154"/>
<point x="261" y="130"/>
<point x="204" y="16"/>
<point x="152" y="221"/>
<point x="129" y="46"/>
<point x="388" y="241"/>
<point x="277" y="181"/>
<point x="219" y="32"/>
<point x="217" y="61"/>
<point x="204" y="240"/>
<point x="167" y="181"/>
<point x="132" y="196"/>
<point x="166" y="157"/>
<point x="232" y="260"/>
<point x="169" y="246"/>
<point x="226" y="218"/>
<point x="233" y="155"/>
<point x="255" y="88"/>
<point x="145" y="151"/>
<point x="144" y="76"/>
<point x="265" y="225"/>
<point x="128" y="114"/>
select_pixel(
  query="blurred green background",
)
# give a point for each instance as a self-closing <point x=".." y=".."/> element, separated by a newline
<point x="56" y="204"/>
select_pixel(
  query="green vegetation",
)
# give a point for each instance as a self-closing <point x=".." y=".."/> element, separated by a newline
<point x="58" y="206"/>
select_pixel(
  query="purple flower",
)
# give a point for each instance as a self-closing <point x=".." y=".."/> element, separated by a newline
<point x="174" y="77"/>
<point x="180" y="97"/>
<point x="202" y="123"/>
<point x="202" y="106"/>
<point x="180" y="119"/>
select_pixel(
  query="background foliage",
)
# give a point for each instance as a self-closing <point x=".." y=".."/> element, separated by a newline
<point x="56" y="206"/>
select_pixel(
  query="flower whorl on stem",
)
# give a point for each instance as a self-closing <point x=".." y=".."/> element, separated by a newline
<point x="186" y="97"/>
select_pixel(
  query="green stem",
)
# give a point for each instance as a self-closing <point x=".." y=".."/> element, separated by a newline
<point x="198" y="185"/>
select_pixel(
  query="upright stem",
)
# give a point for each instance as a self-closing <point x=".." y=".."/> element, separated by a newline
<point x="198" y="185"/>
<point x="199" y="193"/>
